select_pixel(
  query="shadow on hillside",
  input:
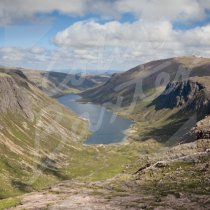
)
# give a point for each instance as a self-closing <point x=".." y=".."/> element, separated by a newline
<point x="172" y="133"/>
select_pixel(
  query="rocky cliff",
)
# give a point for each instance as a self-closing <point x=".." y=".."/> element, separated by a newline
<point x="189" y="95"/>
<point x="14" y="95"/>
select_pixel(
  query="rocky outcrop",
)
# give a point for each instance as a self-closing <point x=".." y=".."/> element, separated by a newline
<point x="200" y="131"/>
<point x="14" y="97"/>
<point x="191" y="99"/>
<point x="179" y="94"/>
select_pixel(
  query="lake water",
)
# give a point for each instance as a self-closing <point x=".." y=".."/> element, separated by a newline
<point x="105" y="126"/>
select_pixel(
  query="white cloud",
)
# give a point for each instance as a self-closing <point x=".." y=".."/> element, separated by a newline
<point x="19" y="57"/>
<point x="14" y="10"/>
<point x="163" y="9"/>
<point x="93" y="35"/>
<point x="11" y="54"/>
<point x="197" y="37"/>
<point x="37" y="50"/>
<point x="111" y="44"/>
<point x="185" y="10"/>
<point x="132" y="42"/>
<point x="90" y="34"/>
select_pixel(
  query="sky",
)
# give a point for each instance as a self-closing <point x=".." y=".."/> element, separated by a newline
<point x="100" y="35"/>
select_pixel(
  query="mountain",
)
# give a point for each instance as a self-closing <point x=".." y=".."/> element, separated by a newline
<point x="161" y="96"/>
<point x="106" y="72"/>
<point x="148" y="76"/>
<point x="58" y="83"/>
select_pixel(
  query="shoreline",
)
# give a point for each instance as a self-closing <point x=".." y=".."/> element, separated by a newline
<point x="127" y="132"/>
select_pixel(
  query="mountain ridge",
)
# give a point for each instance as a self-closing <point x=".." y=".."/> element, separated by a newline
<point x="147" y="76"/>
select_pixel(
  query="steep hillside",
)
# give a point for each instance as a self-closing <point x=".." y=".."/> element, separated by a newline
<point x="41" y="140"/>
<point x="32" y="127"/>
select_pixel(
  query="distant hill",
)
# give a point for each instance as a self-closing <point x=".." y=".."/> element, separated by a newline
<point x="56" y="83"/>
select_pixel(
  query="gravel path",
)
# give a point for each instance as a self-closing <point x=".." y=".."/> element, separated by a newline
<point x="70" y="195"/>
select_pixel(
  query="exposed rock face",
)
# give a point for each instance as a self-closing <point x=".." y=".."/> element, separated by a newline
<point x="178" y="94"/>
<point x="13" y="95"/>
<point x="200" y="131"/>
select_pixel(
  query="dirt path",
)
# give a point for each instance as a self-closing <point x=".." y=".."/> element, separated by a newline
<point x="74" y="195"/>
<point x="52" y="201"/>
<point x="68" y="195"/>
<point x="95" y="196"/>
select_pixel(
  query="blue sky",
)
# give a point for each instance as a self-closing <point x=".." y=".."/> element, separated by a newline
<point x="100" y="35"/>
<point x="28" y="34"/>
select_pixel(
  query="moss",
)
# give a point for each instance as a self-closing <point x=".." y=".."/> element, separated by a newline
<point x="177" y="177"/>
<point x="4" y="75"/>
<point x="9" y="203"/>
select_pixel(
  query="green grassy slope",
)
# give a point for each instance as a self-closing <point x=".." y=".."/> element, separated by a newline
<point x="36" y="133"/>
